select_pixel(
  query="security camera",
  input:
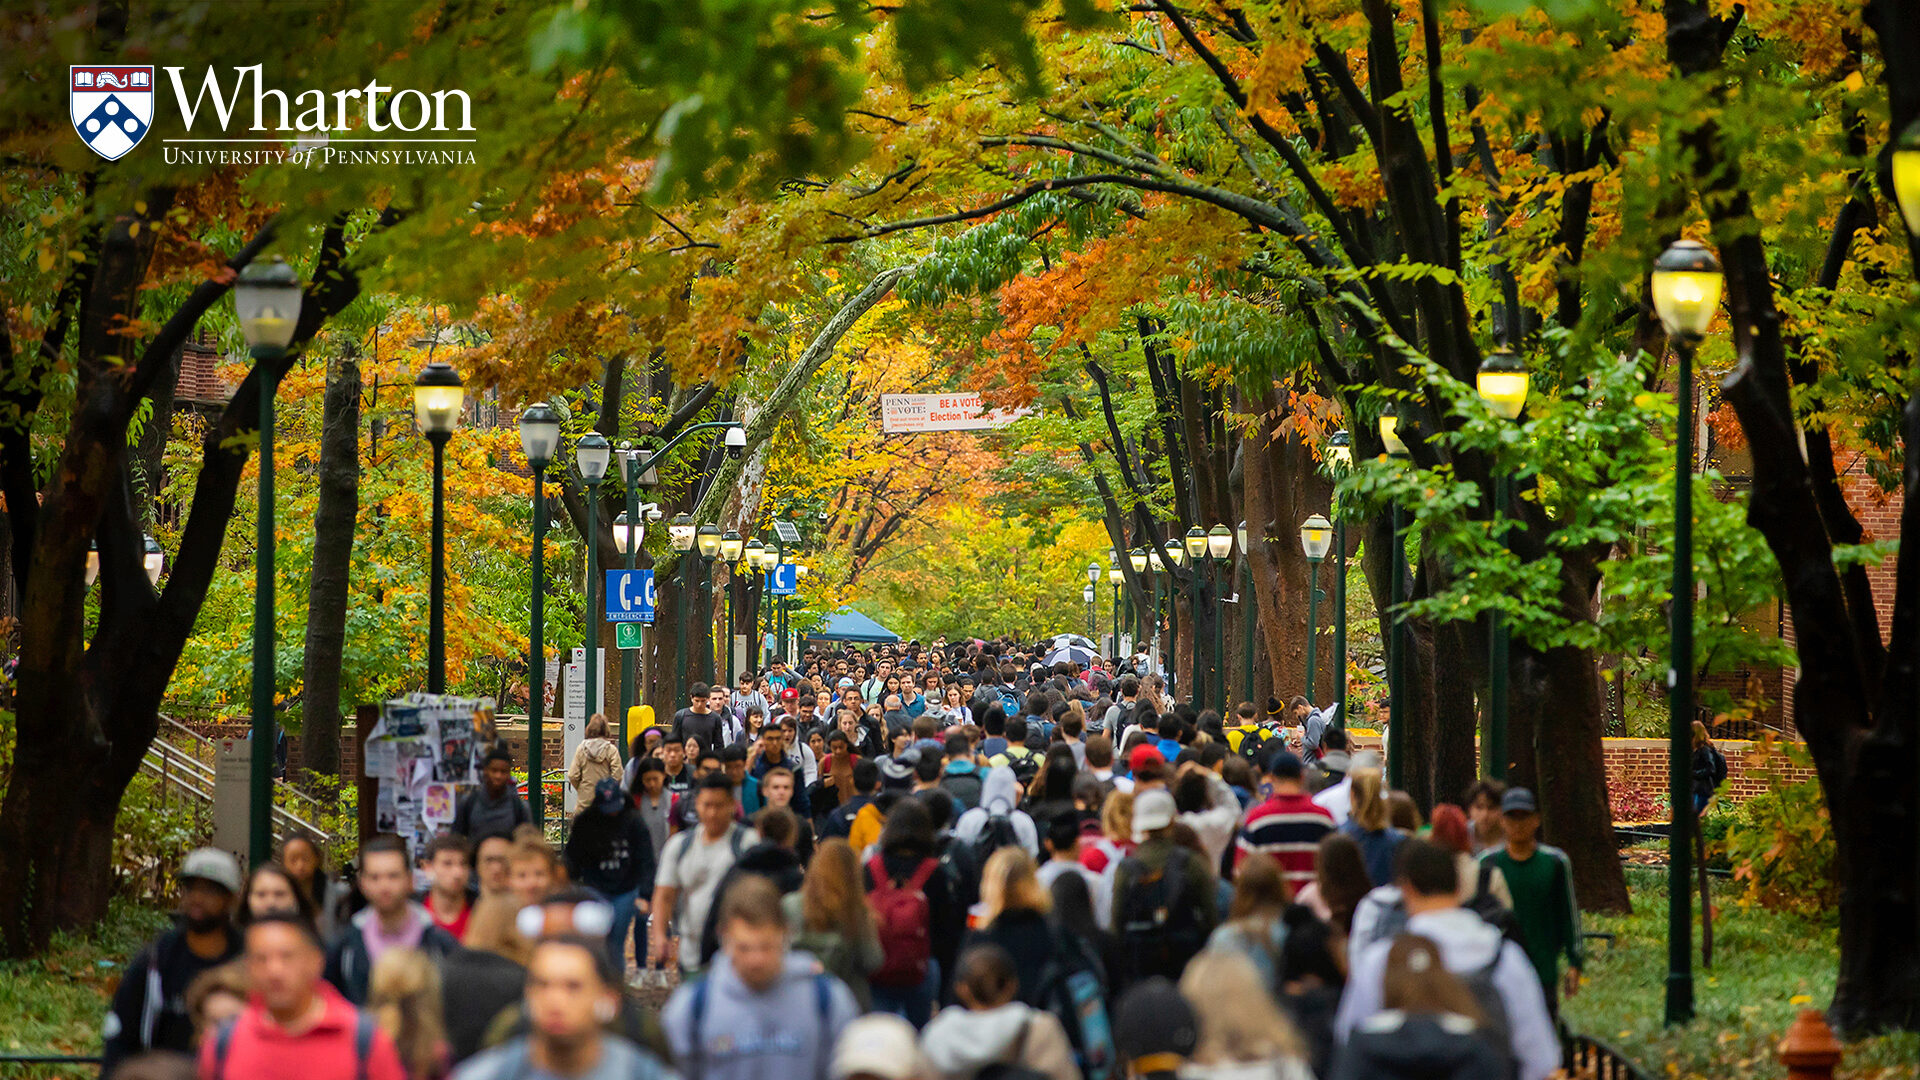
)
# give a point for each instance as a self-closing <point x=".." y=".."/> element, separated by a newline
<point x="736" y="441"/>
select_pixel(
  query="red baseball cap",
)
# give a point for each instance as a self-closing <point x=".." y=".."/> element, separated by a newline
<point x="1144" y="756"/>
<point x="789" y="694"/>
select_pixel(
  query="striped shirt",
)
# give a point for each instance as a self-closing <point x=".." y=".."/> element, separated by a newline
<point x="1288" y="827"/>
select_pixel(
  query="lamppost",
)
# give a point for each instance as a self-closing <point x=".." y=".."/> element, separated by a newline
<point x="1219" y="550"/>
<point x="750" y="558"/>
<point x="1157" y="568"/>
<point x="1340" y="458"/>
<point x="539" y="437"/>
<point x="1503" y="382"/>
<point x="629" y="537"/>
<point x="437" y="395"/>
<point x="1087" y="597"/>
<point x="706" y="540"/>
<point x="1397" y="595"/>
<point x="1906" y="176"/>
<point x="266" y="297"/>
<point x="680" y="533"/>
<point x="1316" y="536"/>
<point x="1175" y="552"/>
<point x="1115" y="576"/>
<point x="153" y="558"/>
<point x="732" y="550"/>
<point x="590" y="457"/>
<point x="1137" y="558"/>
<point x="1249" y="613"/>
<point x="1686" y="287"/>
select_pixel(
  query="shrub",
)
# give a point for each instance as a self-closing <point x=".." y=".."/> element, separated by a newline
<point x="152" y="834"/>
<point x="1781" y="848"/>
<point x="1631" y="804"/>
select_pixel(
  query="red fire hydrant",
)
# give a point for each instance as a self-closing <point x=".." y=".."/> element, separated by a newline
<point x="1810" y="1052"/>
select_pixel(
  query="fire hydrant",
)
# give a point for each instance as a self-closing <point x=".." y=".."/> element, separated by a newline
<point x="1809" y="1051"/>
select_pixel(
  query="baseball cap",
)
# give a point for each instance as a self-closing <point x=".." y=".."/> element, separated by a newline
<point x="895" y="773"/>
<point x="1151" y="810"/>
<point x="1154" y="1018"/>
<point x="878" y="1044"/>
<point x="213" y="866"/>
<point x="845" y="682"/>
<point x="1519" y="801"/>
<point x="1144" y="756"/>
<point x="608" y="796"/>
<point x="789" y="694"/>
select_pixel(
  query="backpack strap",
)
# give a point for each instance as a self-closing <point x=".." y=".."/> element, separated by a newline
<point x="823" y="1007"/>
<point x="363" y="1032"/>
<point x="922" y="875"/>
<point x="736" y="838"/>
<point x="222" y="1043"/>
<point x="696" y="1014"/>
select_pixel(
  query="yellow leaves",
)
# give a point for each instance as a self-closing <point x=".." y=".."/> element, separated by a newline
<point x="1800" y="999"/>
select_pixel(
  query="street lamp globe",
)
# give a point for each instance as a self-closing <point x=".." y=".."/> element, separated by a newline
<point x="93" y="562"/>
<point x="1093" y="574"/>
<point x="539" y="433"/>
<point x="1086" y="595"/>
<point x="732" y="547"/>
<point x="1115" y="575"/>
<point x="1316" y="537"/>
<point x="680" y="532"/>
<point x="1906" y="176"/>
<point x="1176" y="552"/>
<point x="1196" y="542"/>
<point x="1340" y="450"/>
<point x="708" y="537"/>
<point x="1137" y="558"/>
<point x="437" y="396"/>
<point x="1686" y="287"/>
<point x="154" y="559"/>
<point x="752" y="552"/>
<point x="627" y="534"/>
<point x="266" y="297"/>
<point x="590" y="456"/>
<point x="1503" y="382"/>
<point x="1219" y="541"/>
<point x="1390" y="431"/>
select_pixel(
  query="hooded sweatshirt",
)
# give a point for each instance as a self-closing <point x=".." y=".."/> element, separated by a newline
<point x="1468" y="945"/>
<point x="593" y="761"/>
<point x="999" y="794"/>
<point x="959" y="1042"/>
<point x="1390" y="1045"/>
<point x="350" y="961"/>
<point x="748" y="1034"/>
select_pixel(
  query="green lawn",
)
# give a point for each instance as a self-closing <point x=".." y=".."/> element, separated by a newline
<point x="54" y="1005"/>
<point x="1767" y="967"/>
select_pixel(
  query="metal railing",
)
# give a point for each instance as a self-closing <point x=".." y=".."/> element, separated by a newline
<point x="183" y="770"/>
<point x="1587" y="1058"/>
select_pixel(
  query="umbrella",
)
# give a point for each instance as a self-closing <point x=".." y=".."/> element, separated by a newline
<point x="1073" y="639"/>
<point x="1070" y="654"/>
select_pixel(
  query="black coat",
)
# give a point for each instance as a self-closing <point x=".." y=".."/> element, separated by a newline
<point x="1429" y="1048"/>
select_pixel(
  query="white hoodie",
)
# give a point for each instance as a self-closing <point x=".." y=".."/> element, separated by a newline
<point x="1467" y="945"/>
<point x="960" y="1042"/>
<point x="999" y="794"/>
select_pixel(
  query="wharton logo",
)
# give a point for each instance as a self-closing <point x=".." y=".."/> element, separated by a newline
<point x="111" y="106"/>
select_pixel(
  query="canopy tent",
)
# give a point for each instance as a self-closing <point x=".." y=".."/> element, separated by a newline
<point x="849" y="625"/>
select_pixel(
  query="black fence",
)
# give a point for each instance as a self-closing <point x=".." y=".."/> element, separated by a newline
<point x="1587" y="1058"/>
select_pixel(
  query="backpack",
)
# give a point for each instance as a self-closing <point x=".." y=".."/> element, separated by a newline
<point x="1075" y="997"/>
<point x="1247" y="742"/>
<point x="1013" y="1070"/>
<point x="1491" y="911"/>
<point x="363" y="1032"/>
<point x="1719" y="766"/>
<point x="1158" y="932"/>
<point x="997" y="833"/>
<point x="905" y="919"/>
<point x="962" y="786"/>
<point x="1011" y="703"/>
<point x="697" y="1014"/>
<point x="1023" y="761"/>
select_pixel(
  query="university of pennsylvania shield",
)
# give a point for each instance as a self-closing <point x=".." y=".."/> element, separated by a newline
<point x="111" y="106"/>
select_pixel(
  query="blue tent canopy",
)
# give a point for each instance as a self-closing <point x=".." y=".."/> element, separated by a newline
<point x="849" y="625"/>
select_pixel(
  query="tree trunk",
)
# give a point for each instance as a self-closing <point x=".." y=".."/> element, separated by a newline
<point x="334" y="521"/>
<point x="1282" y="485"/>
<point x="150" y="457"/>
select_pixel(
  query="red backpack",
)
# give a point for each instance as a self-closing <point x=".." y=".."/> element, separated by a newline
<point x="905" y="922"/>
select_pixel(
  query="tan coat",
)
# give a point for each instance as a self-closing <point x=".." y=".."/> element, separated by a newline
<point x="593" y="761"/>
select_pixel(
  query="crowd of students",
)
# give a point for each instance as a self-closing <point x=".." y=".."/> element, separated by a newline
<point x="869" y="868"/>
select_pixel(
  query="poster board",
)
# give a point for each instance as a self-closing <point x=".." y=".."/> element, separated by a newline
<point x="426" y="750"/>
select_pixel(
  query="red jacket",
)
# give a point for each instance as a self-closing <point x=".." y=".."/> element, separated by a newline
<point x="259" y="1049"/>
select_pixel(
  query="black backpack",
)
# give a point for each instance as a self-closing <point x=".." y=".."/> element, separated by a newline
<point x="997" y="833"/>
<point x="1158" y="931"/>
<point x="962" y="786"/>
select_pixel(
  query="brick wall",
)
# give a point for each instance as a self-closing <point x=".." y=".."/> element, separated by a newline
<point x="1879" y="513"/>
<point x="1642" y="764"/>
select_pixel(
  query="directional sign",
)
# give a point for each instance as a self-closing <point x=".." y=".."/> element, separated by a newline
<point x="626" y="635"/>
<point x="781" y="579"/>
<point x="630" y="596"/>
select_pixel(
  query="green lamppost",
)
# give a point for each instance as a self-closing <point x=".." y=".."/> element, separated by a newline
<point x="755" y="559"/>
<point x="1340" y="459"/>
<point x="680" y="532"/>
<point x="1115" y="576"/>
<point x="590" y="457"/>
<point x="1503" y="383"/>
<point x="539" y="437"/>
<point x="732" y="550"/>
<point x="1316" y="536"/>
<point x="1175" y="554"/>
<point x="437" y="396"/>
<point x="266" y="298"/>
<point x="706" y="540"/>
<point x="1397" y="594"/>
<point x="1142" y="564"/>
<point x="1219" y="551"/>
<point x="1686" y="287"/>
<point x="629" y="538"/>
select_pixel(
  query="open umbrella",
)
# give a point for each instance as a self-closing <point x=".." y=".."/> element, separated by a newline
<point x="1073" y="639"/>
<point x="1069" y="654"/>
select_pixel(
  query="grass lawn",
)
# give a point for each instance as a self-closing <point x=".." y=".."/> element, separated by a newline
<point x="1766" y="968"/>
<point x="55" y="1004"/>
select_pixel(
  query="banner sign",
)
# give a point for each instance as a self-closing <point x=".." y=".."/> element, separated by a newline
<point x="907" y="413"/>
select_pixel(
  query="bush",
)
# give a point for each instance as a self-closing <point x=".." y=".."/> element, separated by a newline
<point x="1631" y="804"/>
<point x="1780" y="846"/>
<point x="152" y="835"/>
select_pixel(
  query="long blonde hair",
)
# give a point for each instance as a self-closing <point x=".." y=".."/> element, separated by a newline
<point x="1116" y="817"/>
<point x="1239" y="1022"/>
<point x="1370" y="809"/>
<point x="492" y="928"/>
<point x="404" y="995"/>
<point x="1010" y="882"/>
<point x="830" y="895"/>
